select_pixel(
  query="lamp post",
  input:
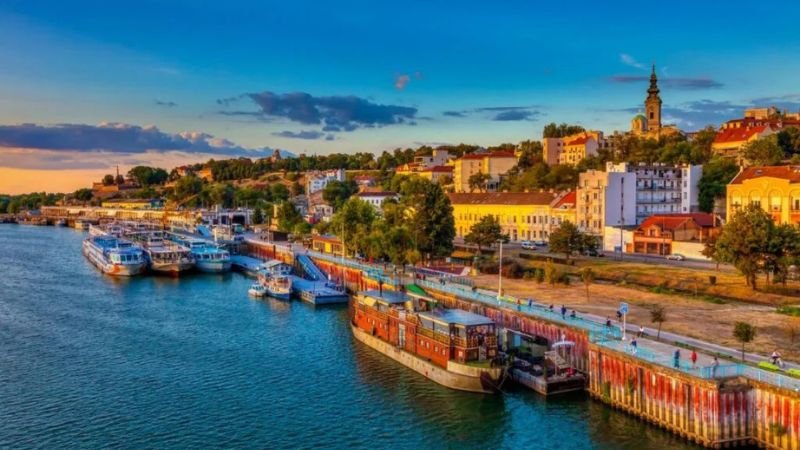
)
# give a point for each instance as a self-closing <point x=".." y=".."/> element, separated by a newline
<point x="500" y="273"/>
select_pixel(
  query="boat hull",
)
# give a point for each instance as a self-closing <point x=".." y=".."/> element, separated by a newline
<point x="213" y="266"/>
<point x="467" y="378"/>
<point x="116" y="270"/>
<point x="279" y="295"/>
<point x="173" y="268"/>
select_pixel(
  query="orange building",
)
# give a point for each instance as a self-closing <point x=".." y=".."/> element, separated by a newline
<point x="776" y="189"/>
<point x="657" y="234"/>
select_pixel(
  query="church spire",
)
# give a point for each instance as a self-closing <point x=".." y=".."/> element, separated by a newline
<point x="653" y="90"/>
<point x="652" y="104"/>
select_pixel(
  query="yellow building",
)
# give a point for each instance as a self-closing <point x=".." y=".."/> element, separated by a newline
<point x="530" y="216"/>
<point x="776" y="189"/>
<point x="495" y="164"/>
<point x="133" y="203"/>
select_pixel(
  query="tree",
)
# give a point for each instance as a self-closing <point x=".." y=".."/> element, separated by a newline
<point x="478" y="181"/>
<point x="587" y="275"/>
<point x="146" y="176"/>
<point x="744" y="242"/>
<point x="658" y="314"/>
<point x="716" y="176"/>
<point x="789" y="140"/>
<point x="783" y="252"/>
<point x="258" y="216"/>
<point x="428" y="213"/>
<point x="744" y="333"/>
<point x="551" y="130"/>
<point x="353" y="223"/>
<point x="763" y="152"/>
<point x="551" y="273"/>
<point x="83" y="195"/>
<point x="484" y="232"/>
<point x="710" y="249"/>
<point x="187" y="186"/>
<point x="298" y="189"/>
<point x="108" y="179"/>
<point x="566" y="239"/>
<point x="288" y="217"/>
<point x="337" y="192"/>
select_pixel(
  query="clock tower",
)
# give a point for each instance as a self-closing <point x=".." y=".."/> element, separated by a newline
<point x="652" y="105"/>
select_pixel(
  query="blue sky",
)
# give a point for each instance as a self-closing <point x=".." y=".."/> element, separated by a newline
<point x="317" y="77"/>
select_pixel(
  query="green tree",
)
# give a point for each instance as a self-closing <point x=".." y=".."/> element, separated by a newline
<point x="763" y="152"/>
<point x="337" y="192"/>
<point x="587" y="275"/>
<point x="288" y="217"/>
<point x="744" y="241"/>
<point x="783" y="252"/>
<point x="789" y="140"/>
<point x="566" y="239"/>
<point x="353" y="223"/>
<point x="744" y="333"/>
<point x="551" y="130"/>
<point x="108" y="179"/>
<point x="83" y="195"/>
<point x="716" y="176"/>
<point x="221" y="194"/>
<point x="428" y="213"/>
<point x="258" y="216"/>
<point x="478" y="181"/>
<point x="484" y="232"/>
<point x="146" y="176"/>
<point x="658" y="315"/>
<point x="187" y="186"/>
<point x="298" y="189"/>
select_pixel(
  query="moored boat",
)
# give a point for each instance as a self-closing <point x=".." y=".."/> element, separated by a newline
<point x="277" y="285"/>
<point x="208" y="257"/>
<point x="165" y="256"/>
<point x="257" y="290"/>
<point x="454" y="348"/>
<point x="114" y="256"/>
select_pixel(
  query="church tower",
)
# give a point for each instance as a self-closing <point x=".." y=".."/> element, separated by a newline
<point x="652" y="105"/>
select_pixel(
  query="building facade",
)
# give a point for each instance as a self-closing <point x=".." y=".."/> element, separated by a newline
<point x="495" y="164"/>
<point x="658" y="233"/>
<point x="663" y="188"/>
<point x="574" y="148"/>
<point x="605" y="199"/>
<point x="317" y="180"/>
<point x="376" y="198"/>
<point x="776" y="189"/>
<point x="528" y="216"/>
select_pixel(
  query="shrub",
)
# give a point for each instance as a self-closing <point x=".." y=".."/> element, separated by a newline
<point x="768" y="366"/>
<point x="793" y="373"/>
<point x="539" y="275"/>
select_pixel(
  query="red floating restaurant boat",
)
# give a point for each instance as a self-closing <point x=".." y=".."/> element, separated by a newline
<point x="452" y="347"/>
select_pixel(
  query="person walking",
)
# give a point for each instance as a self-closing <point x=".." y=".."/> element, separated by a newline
<point x="572" y="315"/>
<point x="563" y="312"/>
<point x="641" y="331"/>
<point x="634" y="346"/>
<point x="694" y="359"/>
<point x="714" y="365"/>
<point x="676" y="359"/>
<point x="530" y="302"/>
<point x="608" y="322"/>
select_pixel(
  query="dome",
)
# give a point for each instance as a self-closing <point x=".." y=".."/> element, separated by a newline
<point x="640" y="117"/>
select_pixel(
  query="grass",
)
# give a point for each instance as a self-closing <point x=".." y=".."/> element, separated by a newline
<point x="793" y="311"/>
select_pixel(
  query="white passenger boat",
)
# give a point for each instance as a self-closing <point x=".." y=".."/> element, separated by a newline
<point x="208" y="257"/>
<point x="165" y="256"/>
<point x="115" y="256"/>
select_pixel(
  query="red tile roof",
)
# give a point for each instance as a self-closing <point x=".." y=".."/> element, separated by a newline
<point x="579" y="141"/>
<point x="441" y="169"/>
<point x="567" y="200"/>
<point x="674" y="221"/>
<point x="375" y="194"/>
<point x="738" y="134"/>
<point x="489" y="155"/>
<point x="502" y="198"/>
<point x="791" y="173"/>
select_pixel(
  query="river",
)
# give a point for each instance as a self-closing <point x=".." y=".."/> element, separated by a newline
<point x="91" y="361"/>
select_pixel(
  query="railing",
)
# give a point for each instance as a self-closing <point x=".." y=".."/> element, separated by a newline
<point x="434" y="335"/>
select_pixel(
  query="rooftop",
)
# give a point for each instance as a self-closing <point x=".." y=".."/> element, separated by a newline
<point x="739" y="134"/>
<point x="567" y="201"/>
<point x="790" y="173"/>
<point x="673" y="221"/>
<point x="502" y="198"/>
<point x="456" y="316"/>
<point x="390" y="297"/>
<point x="489" y="155"/>
<point x="375" y="194"/>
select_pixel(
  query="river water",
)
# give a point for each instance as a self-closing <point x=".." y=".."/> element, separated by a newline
<point x="91" y="361"/>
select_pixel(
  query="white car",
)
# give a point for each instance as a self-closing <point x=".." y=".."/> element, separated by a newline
<point x="675" y="257"/>
<point x="528" y="245"/>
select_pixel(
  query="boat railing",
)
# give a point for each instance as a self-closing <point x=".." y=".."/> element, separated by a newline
<point x="435" y="335"/>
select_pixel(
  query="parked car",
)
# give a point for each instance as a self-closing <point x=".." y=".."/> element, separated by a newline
<point x="528" y="245"/>
<point x="594" y="253"/>
<point x="676" y="257"/>
<point x="540" y="243"/>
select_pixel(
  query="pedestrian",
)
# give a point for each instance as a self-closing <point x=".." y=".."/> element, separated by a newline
<point x="530" y="302"/>
<point x="563" y="312"/>
<point x="634" y="346"/>
<point x="714" y="365"/>
<point x="775" y="357"/>
<point x="572" y="315"/>
<point x="519" y="304"/>
<point x="551" y="307"/>
<point x="619" y="315"/>
<point x="676" y="359"/>
<point x="608" y="322"/>
<point x="694" y="358"/>
<point x="641" y="331"/>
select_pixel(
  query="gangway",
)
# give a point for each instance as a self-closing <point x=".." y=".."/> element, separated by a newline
<point x="309" y="269"/>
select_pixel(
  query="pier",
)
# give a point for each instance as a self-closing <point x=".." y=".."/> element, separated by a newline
<point x="729" y="405"/>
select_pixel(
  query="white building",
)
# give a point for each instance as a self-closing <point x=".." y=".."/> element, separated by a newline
<point x="662" y="188"/>
<point x="317" y="180"/>
<point x="437" y="158"/>
<point x="376" y="198"/>
<point x="605" y="199"/>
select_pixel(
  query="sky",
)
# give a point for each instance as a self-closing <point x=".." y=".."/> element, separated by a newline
<point x="89" y="85"/>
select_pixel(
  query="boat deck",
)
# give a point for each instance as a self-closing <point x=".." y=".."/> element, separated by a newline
<point x="317" y="292"/>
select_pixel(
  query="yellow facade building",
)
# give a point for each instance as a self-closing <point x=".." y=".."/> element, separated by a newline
<point x="776" y="189"/>
<point x="495" y="164"/>
<point x="530" y="216"/>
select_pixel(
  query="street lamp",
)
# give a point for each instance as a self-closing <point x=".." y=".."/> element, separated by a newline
<point x="500" y="273"/>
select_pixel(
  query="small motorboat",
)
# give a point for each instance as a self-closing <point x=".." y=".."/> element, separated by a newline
<point x="257" y="290"/>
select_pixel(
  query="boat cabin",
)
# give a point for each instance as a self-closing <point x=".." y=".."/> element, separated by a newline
<point x="439" y="335"/>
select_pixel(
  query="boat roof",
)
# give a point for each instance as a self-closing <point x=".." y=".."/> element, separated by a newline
<point x="456" y="316"/>
<point x="271" y="263"/>
<point x="388" y="297"/>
